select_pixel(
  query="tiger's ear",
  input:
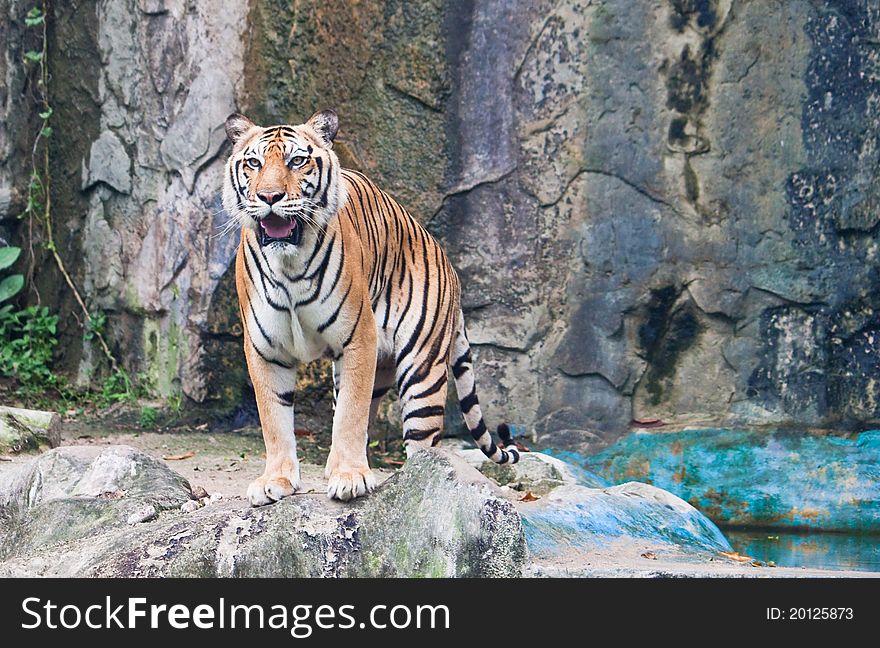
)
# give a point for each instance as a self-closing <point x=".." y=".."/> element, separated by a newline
<point x="326" y="124"/>
<point x="236" y="126"/>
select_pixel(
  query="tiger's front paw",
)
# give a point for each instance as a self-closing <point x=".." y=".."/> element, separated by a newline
<point x="273" y="486"/>
<point x="348" y="482"/>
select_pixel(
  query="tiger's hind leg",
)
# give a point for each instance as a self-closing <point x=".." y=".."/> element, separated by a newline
<point x="381" y="385"/>
<point x="422" y="403"/>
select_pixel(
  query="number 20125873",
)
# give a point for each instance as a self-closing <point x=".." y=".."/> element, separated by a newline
<point x="810" y="614"/>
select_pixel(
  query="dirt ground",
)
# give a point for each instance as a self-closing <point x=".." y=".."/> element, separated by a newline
<point x="222" y="462"/>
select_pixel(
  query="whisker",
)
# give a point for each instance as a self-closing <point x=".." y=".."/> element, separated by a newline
<point x="226" y="228"/>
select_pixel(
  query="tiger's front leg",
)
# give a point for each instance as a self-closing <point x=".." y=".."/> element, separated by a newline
<point x="273" y="387"/>
<point x="347" y="469"/>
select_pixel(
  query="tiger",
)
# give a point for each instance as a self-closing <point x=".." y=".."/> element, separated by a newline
<point x="328" y="264"/>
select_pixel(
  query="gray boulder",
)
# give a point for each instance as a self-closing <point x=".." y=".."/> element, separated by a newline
<point x="564" y="508"/>
<point x="118" y="512"/>
<point x="73" y="493"/>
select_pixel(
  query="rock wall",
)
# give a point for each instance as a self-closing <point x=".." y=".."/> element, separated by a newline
<point x="17" y="126"/>
<point x="149" y="87"/>
<point x="678" y="213"/>
<point x="660" y="209"/>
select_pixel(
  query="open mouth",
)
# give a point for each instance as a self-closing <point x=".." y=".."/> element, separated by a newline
<point x="275" y="229"/>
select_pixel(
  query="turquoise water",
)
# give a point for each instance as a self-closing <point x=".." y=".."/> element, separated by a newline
<point x="779" y="479"/>
<point x="813" y="550"/>
<point x="751" y="479"/>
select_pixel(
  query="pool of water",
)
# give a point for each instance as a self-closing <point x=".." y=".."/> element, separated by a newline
<point x="815" y="550"/>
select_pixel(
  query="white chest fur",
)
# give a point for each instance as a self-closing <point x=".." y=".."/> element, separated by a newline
<point x="277" y="318"/>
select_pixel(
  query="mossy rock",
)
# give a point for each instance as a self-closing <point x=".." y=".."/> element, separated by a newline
<point x="117" y="512"/>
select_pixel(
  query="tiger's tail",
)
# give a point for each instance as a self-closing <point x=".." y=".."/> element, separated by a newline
<point x="465" y="385"/>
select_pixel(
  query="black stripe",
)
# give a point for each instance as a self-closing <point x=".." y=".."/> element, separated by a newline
<point x="387" y="308"/>
<point x="433" y="389"/>
<point x="420" y="435"/>
<point x="248" y="270"/>
<point x="352" y="216"/>
<point x="378" y="216"/>
<point x="338" y="271"/>
<point x="358" y="174"/>
<point x="233" y="170"/>
<point x="366" y="210"/>
<point x="379" y="393"/>
<point x="268" y="359"/>
<point x="403" y="313"/>
<point x="320" y="271"/>
<point x="435" y="346"/>
<point x="319" y="243"/>
<point x="322" y="268"/>
<point x="468" y="402"/>
<point x="323" y="327"/>
<point x="478" y="431"/>
<point x="505" y="434"/>
<point x="403" y="247"/>
<point x="320" y="164"/>
<point x="427" y="365"/>
<point x="421" y="323"/>
<point x="286" y="398"/>
<point x="353" y="328"/>
<point x="394" y="264"/>
<point x="323" y="201"/>
<point x="268" y="270"/>
<point x="459" y="368"/>
<point x="425" y="412"/>
<point x="260" y="326"/>
<point x="264" y="278"/>
<point x="430" y="361"/>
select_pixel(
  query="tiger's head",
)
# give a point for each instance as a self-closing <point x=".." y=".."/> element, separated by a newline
<point x="282" y="179"/>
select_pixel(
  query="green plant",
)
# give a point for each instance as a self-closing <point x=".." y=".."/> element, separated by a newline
<point x="175" y="402"/>
<point x="11" y="285"/>
<point x="148" y="417"/>
<point x="27" y="337"/>
<point x="27" y="342"/>
<point x="116" y="388"/>
<point x="95" y="326"/>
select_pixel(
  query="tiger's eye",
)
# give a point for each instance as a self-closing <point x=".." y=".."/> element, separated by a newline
<point x="253" y="163"/>
<point x="298" y="161"/>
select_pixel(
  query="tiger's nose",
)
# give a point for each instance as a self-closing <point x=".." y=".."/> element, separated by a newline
<point x="270" y="197"/>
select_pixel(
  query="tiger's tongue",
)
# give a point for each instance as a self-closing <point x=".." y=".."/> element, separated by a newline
<point x="277" y="227"/>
